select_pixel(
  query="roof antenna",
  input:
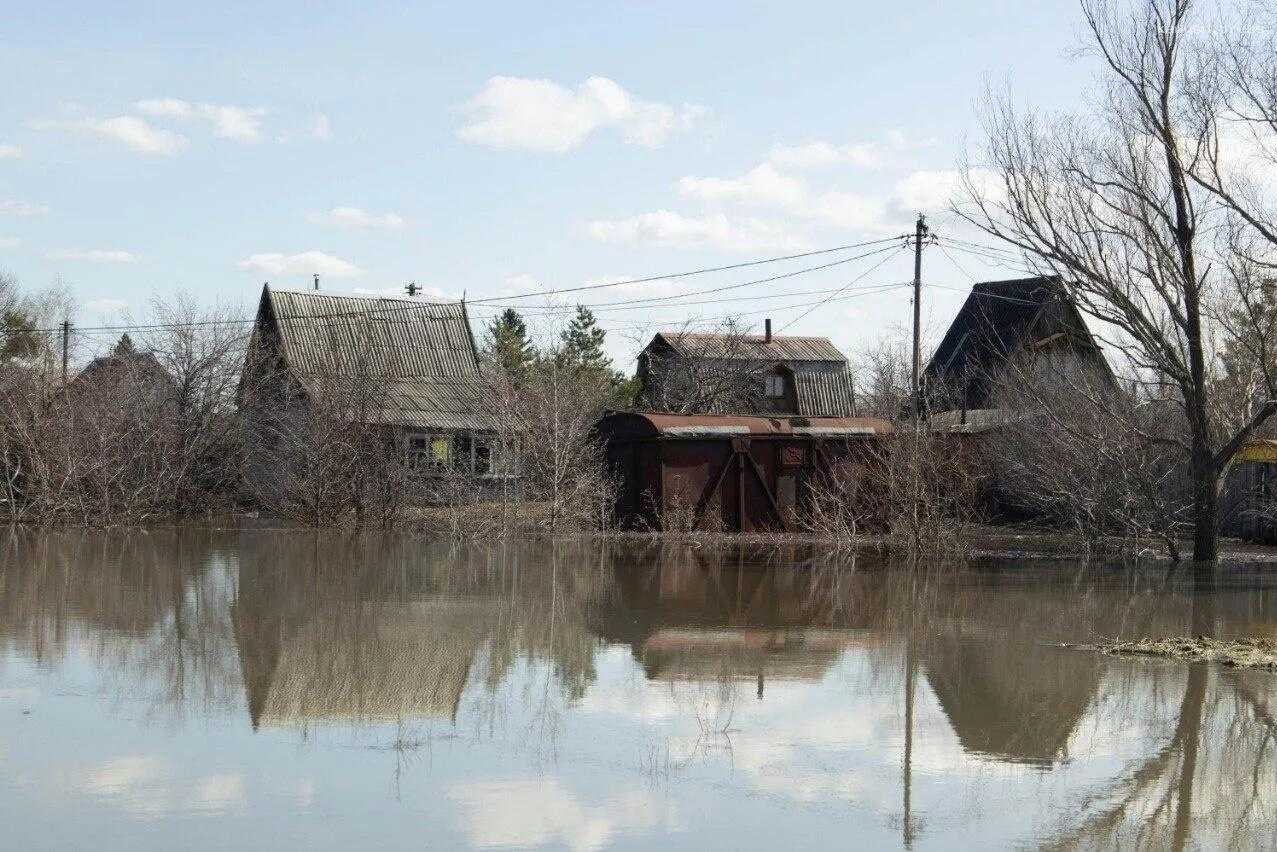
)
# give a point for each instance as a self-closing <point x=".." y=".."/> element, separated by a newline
<point x="316" y="280"/>
<point x="412" y="288"/>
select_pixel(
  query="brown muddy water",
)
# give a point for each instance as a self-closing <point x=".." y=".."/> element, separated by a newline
<point x="277" y="690"/>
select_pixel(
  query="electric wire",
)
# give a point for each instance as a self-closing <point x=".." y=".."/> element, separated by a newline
<point x="830" y="298"/>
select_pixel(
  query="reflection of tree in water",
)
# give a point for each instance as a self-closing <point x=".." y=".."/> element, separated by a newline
<point x="349" y="629"/>
<point x="148" y="608"/>
<point x="1211" y="780"/>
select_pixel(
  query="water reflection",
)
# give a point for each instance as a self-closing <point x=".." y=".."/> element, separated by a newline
<point x="596" y="694"/>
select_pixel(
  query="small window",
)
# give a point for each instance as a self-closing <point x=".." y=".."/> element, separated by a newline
<point x="430" y="454"/>
<point x="775" y="385"/>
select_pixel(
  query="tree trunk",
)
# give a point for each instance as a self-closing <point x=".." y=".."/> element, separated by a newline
<point x="1205" y="504"/>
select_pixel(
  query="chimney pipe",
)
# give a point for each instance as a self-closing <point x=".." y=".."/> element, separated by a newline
<point x="316" y="280"/>
<point x="767" y="330"/>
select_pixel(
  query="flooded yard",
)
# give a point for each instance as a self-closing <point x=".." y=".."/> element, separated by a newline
<point x="271" y="690"/>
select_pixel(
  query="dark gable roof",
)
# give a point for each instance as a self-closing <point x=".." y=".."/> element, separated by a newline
<point x="1000" y="316"/>
<point x="749" y="347"/>
<point x="422" y="353"/>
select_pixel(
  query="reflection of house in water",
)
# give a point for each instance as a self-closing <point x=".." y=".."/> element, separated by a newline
<point x="1006" y="695"/>
<point x="322" y="638"/>
<point x="693" y="619"/>
<point x="375" y="662"/>
<point x="334" y="629"/>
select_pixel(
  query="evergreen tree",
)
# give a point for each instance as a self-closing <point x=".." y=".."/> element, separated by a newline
<point x="506" y="343"/>
<point x="583" y="342"/>
<point x="125" y="347"/>
<point x="19" y="337"/>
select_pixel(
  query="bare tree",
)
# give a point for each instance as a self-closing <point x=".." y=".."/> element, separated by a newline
<point x="1114" y="203"/>
<point x="321" y="452"/>
<point x="1078" y="449"/>
<point x="723" y="378"/>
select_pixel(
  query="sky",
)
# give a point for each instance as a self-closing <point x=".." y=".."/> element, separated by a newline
<point x="494" y="150"/>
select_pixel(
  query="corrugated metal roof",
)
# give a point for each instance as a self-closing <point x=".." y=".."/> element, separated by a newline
<point x="419" y="354"/>
<point x="373" y="335"/>
<point x="825" y="394"/>
<point x="751" y="347"/>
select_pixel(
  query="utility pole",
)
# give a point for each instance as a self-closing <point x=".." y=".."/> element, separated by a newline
<point x="66" y="344"/>
<point x="316" y="280"/>
<point x="920" y="234"/>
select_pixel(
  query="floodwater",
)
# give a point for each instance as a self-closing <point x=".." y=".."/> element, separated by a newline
<point x="276" y="690"/>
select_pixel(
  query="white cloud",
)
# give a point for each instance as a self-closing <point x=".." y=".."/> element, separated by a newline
<point x="541" y="115"/>
<point x="852" y="211"/>
<point x="106" y="307"/>
<point x="122" y="775"/>
<point x="765" y="186"/>
<point x="218" y="794"/>
<point x="168" y="107"/>
<point x="355" y="217"/>
<point x="668" y="229"/>
<point x="538" y="812"/>
<point x="932" y="191"/>
<point x="93" y="255"/>
<point x="243" y="124"/>
<point x="134" y="133"/>
<point x="761" y="185"/>
<point x="11" y="207"/>
<point x="9" y="242"/>
<point x="303" y="263"/>
<point x="812" y="154"/>
<point x="10" y="152"/>
<point x="321" y="128"/>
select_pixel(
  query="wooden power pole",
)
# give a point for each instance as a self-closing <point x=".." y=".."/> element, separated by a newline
<point x="66" y="345"/>
<point x="919" y="236"/>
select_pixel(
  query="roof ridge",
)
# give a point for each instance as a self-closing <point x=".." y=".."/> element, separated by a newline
<point x="328" y="294"/>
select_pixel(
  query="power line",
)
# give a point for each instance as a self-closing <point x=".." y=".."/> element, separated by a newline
<point x="675" y="275"/>
<point x="985" y="246"/>
<point x="405" y="305"/>
<point x="954" y="261"/>
<point x="658" y="299"/>
<point x="868" y="291"/>
<point x="830" y="298"/>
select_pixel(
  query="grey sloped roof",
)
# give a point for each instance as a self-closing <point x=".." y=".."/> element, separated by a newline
<point x="413" y="363"/>
<point x="825" y="394"/>
<point x="997" y="319"/>
<point x="750" y="347"/>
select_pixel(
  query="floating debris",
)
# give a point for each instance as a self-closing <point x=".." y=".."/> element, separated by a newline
<point x="1242" y="653"/>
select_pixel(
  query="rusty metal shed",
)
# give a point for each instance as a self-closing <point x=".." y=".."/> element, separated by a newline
<point x="728" y="472"/>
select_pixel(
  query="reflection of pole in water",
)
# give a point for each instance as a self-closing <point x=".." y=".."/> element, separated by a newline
<point x="911" y="670"/>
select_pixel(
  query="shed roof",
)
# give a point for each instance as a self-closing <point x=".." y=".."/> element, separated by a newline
<point x="421" y="355"/>
<point x="749" y="347"/>
<point x="650" y="424"/>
